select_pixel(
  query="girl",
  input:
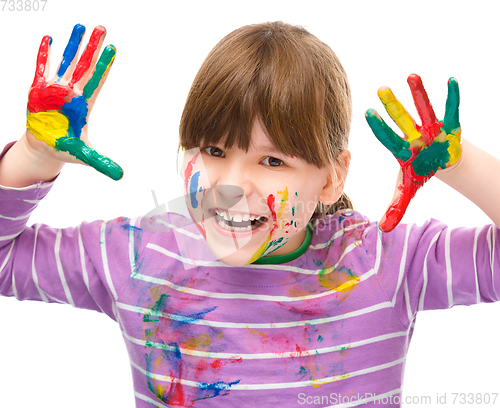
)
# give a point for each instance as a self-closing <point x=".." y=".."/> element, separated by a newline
<point x="275" y="292"/>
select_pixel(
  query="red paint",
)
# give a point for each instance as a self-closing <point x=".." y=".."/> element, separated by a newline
<point x="217" y="365"/>
<point x="41" y="60"/>
<point x="189" y="171"/>
<point x="406" y="191"/>
<point x="270" y="204"/>
<point x="175" y="394"/>
<point x="431" y="127"/>
<point x="88" y="55"/>
<point x="187" y="176"/>
<point x="410" y="182"/>
<point x="43" y="98"/>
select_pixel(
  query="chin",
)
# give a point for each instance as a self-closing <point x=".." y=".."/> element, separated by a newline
<point x="231" y="258"/>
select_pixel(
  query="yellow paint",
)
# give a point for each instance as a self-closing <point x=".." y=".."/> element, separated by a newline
<point x="339" y="280"/>
<point x="257" y="332"/>
<point x="47" y="126"/>
<point x="319" y="383"/>
<point x="455" y="148"/>
<point x="203" y="341"/>
<point x="279" y="217"/>
<point x="347" y="285"/>
<point x="282" y="208"/>
<point x="260" y="251"/>
<point x="398" y="114"/>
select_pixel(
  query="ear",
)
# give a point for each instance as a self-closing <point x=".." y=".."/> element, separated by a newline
<point x="334" y="185"/>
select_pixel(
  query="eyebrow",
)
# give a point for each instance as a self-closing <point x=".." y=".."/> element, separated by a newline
<point x="269" y="149"/>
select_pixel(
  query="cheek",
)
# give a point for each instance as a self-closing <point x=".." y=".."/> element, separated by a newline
<point x="291" y="210"/>
<point x="285" y="209"/>
<point x="195" y="181"/>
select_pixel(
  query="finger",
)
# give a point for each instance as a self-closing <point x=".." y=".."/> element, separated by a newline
<point x="399" y="147"/>
<point x="424" y="107"/>
<point x="398" y="113"/>
<point x="71" y="50"/>
<point x="99" y="76"/>
<point x="89" y="55"/>
<point x="77" y="148"/>
<point x="403" y="194"/>
<point x="451" y="122"/>
<point x="42" y="60"/>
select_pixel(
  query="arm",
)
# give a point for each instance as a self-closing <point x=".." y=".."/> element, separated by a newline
<point x="475" y="176"/>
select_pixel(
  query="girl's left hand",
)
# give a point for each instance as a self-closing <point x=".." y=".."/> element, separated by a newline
<point x="424" y="150"/>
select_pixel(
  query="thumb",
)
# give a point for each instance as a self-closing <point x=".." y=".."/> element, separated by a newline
<point x="405" y="190"/>
<point x="86" y="154"/>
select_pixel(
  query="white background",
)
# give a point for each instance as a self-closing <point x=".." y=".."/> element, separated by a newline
<point x="56" y="356"/>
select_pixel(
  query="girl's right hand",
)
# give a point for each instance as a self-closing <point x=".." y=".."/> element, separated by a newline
<point x="59" y="108"/>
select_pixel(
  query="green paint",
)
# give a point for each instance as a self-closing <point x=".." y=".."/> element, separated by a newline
<point x="101" y="67"/>
<point x="320" y="339"/>
<point x="450" y="121"/>
<point x="87" y="155"/>
<point x="293" y="211"/>
<point x="399" y="147"/>
<point x="431" y="159"/>
<point x="304" y="371"/>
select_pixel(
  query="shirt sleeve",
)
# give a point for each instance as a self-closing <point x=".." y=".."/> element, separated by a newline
<point x="84" y="266"/>
<point x="436" y="267"/>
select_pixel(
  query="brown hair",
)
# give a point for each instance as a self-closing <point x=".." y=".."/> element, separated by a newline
<point x="285" y="77"/>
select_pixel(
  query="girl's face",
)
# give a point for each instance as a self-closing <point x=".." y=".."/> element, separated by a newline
<point x="256" y="203"/>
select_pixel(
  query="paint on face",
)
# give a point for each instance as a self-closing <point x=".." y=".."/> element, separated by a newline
<point x="191" y="188"/>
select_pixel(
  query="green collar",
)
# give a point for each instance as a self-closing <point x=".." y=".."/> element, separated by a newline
<point x="280" y="259"/>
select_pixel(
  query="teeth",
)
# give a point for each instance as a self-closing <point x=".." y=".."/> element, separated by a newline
<point x="237" y="217"/>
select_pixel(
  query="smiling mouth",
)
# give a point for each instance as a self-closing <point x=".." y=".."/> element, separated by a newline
<point x="237" y="222"/>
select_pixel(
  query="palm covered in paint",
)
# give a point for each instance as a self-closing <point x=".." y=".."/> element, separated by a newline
<point x="424" y="150"/>
<point x="58" y="109"/>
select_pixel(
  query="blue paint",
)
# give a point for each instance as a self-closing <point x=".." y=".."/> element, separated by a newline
<point x="71" y="49"/>
<point x="217" y="387"/>
<point x="193" y="189"/>
<point x="76" y="111"/>
<point x="191" y="318"/>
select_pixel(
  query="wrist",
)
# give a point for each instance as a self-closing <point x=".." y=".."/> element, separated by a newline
<point x="24" y="165"/>
<point x="458" y="168"/>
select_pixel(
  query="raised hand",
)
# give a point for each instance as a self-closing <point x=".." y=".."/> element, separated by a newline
<point x="58" y="109"/>
<point x="423" y="150"/>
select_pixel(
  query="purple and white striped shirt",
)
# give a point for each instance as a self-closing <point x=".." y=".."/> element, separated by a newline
<point x="331" y="327"/>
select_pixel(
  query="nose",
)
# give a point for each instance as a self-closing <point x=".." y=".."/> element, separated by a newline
<point x="232" y="184"/>
<point x="227" y="196"/>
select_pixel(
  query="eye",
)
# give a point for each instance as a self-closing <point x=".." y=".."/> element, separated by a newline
<point x="272" y="161"/>
<point x="214" y="151"/>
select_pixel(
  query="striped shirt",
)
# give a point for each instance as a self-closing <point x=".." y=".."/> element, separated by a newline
<point x="330" y="328"/>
